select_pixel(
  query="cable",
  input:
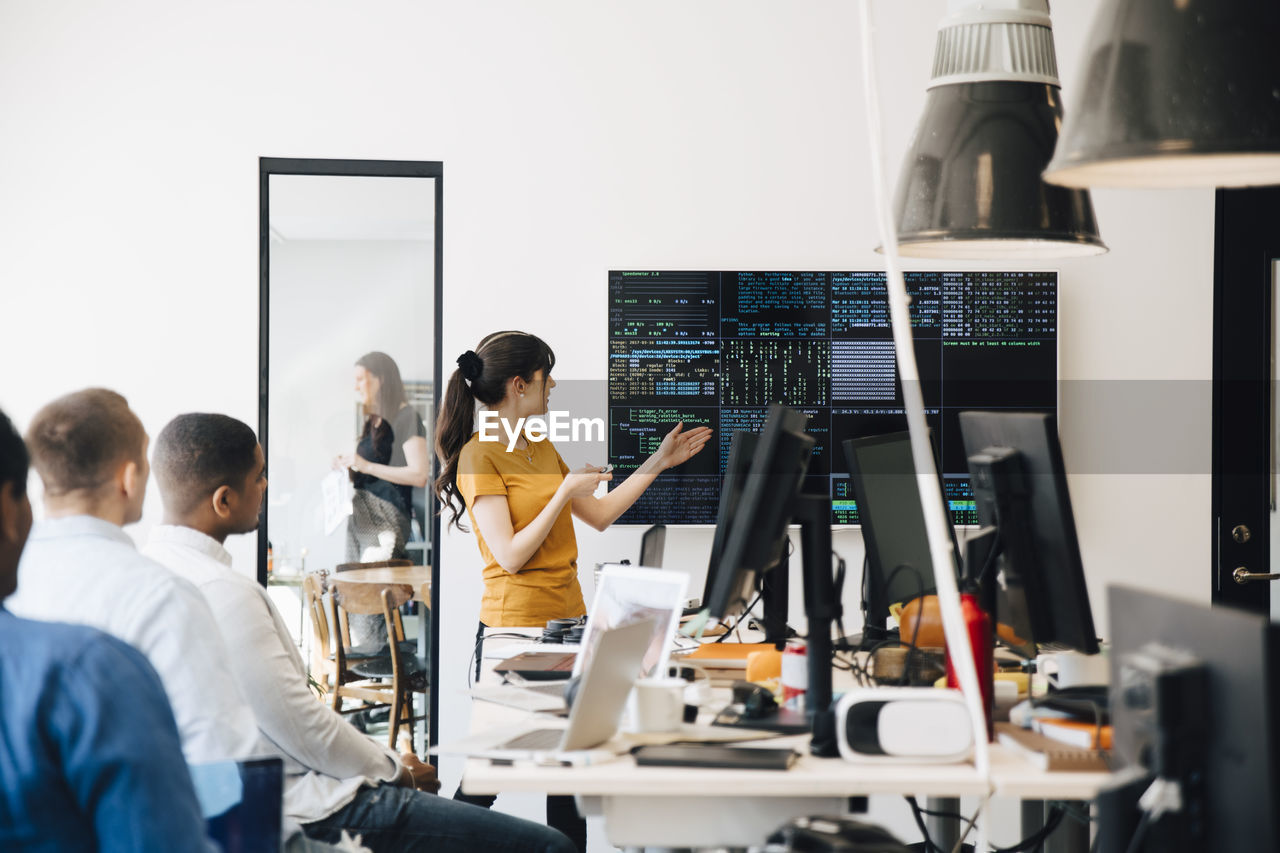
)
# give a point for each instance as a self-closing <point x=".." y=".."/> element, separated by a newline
<point x="971" y="823"/>
<point x="929" y="846"/>
<point x="1139" y="834"/>
<point x="1034" y="841"/>
<point x="745" y="612"/>
<point x="473" y="663"/>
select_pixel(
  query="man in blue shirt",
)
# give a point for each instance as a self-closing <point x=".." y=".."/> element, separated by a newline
<point x="89" y="751"/>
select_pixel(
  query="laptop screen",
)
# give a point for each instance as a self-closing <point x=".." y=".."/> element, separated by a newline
<point x="628" y="594"/>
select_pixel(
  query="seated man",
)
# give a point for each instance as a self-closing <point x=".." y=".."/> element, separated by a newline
<point x="89" y="752"/>
<point x="80" y="567"/>
<point x="212" y="478"/>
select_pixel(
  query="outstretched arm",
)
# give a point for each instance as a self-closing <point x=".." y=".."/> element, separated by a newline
<point x="493" y="518"/>
<point x="678" y="447"/>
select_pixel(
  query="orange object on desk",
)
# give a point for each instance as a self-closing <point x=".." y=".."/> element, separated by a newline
<point x="930" y="634"/>
<point x="764" y="665"/>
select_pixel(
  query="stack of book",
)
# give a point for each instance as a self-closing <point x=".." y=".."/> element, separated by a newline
<point x="1046" y="750"/>
<point x="725" y="663"/>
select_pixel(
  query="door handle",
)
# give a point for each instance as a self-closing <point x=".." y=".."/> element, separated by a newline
<point x="1242" y="576"/>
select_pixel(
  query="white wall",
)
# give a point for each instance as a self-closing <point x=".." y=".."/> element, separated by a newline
<point x="577" y="136"/>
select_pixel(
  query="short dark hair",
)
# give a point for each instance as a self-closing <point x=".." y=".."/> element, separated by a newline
<point x="14" y="460"/>
<point x="198" y="453"/>
<point x="78" y="440"/>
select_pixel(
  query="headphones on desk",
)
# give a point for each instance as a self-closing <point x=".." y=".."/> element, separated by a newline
<point x="564" y="630"/>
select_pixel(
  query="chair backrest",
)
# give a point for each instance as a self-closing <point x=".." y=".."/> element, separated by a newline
<point x="320" y="630"/>
<point x="366" y="598"/>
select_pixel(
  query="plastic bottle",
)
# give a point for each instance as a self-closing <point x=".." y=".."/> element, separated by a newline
<point x="978" y="626"/>
<point x="795" y="670"/>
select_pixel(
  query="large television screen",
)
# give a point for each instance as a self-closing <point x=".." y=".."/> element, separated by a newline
<point x="716" y="348"/>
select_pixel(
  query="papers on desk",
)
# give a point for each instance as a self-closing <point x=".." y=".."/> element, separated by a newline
<point x="482" y="745"/>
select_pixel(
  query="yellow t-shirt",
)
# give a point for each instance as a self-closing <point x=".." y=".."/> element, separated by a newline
<point x="547" y="586"/>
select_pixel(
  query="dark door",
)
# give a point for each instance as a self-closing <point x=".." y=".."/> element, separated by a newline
<point x="1247" y="244"/>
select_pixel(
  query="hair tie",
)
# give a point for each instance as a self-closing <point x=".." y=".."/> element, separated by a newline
<point x="470" y="365"/>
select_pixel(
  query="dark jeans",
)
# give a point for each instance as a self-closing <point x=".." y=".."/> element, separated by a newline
<point x="562" y="812"/>
<point x="392" y="819"/>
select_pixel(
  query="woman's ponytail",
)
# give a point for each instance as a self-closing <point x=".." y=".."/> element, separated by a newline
<point x="453" y="430"/>
<point x="481" y="377"/>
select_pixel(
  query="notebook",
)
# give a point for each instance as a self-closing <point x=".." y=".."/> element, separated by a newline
<point x="597" y="708"/>
<point x="539" y="666"/>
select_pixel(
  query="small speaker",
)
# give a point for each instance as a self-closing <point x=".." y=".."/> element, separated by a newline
<point x="888" y="724"/>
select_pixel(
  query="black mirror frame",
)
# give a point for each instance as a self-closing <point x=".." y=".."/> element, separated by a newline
<point x="268" y="166"/>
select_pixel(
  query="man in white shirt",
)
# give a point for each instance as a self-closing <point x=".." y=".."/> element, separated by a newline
<point x="212" y="477"/>
<point x="79" y="566"/>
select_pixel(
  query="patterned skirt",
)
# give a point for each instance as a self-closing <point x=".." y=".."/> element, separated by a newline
<point x="376" y="530"/>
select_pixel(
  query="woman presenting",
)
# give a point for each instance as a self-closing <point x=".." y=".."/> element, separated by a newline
<point x="390" y="459"/>
<point x="521" y="502"/>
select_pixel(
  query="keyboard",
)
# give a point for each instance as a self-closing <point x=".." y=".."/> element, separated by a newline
<point x="538" y="739"/>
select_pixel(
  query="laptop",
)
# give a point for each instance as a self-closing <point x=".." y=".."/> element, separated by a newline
<point x="596" y="710"/>
<point x="242" y="803"/>
<point x="629" y="594"/>
<point x="624" y="595"/>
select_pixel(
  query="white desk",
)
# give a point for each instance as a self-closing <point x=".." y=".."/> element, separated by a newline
<point x="690" y="807"/>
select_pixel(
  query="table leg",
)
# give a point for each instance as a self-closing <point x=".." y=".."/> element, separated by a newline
<point x="944" y="831"/>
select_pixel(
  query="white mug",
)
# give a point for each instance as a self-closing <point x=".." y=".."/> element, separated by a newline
<point x="659" y="704"/>
<point x="1071" y="669"/>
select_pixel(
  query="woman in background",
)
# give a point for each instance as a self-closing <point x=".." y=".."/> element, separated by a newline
<point x="390" y="459"/>
<point x="522" y="502"/>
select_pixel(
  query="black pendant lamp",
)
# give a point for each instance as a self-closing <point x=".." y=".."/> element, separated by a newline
<point x="971" y="185"/>
<point x="1176" y="93"/>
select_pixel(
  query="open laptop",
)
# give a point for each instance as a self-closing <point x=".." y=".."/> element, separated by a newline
<point x="596" y="711"/>
<point x="625" y="594"/>
<point x="242" y="803"/>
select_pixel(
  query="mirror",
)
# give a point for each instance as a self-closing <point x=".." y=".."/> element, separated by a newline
<point x="350" y="270"/>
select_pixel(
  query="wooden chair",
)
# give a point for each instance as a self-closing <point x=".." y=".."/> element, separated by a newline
<point x="345" y="628"/>
<point x="389" y="680"/>
<point x="323" y="662"/>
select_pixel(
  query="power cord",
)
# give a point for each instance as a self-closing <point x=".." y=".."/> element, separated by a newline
<point x="746" y="612"/>
<point x="473" y="663"/>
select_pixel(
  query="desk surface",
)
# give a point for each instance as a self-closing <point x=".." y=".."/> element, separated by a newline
<point x="624" y="788"/>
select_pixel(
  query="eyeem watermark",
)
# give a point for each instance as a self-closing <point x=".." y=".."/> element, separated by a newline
<point x="557" y="426"/>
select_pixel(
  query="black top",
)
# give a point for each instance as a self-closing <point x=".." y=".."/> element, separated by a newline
<point x="384" y="444"/>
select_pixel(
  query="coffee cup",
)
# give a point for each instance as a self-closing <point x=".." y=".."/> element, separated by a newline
<point x="659" y="704"/>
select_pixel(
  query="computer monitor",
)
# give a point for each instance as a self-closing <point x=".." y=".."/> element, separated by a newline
<point x="1020" y="487"/>
<point x="899" y="562"/>
<point x="758" y="533"/>
<point x="742" y="447"/>
<point x="1213" y="730"/>
<point x="653" y="544"/>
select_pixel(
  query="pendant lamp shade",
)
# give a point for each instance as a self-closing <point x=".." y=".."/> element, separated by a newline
<point x="971" y="185"/>
<point x="1176" y="93"/>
